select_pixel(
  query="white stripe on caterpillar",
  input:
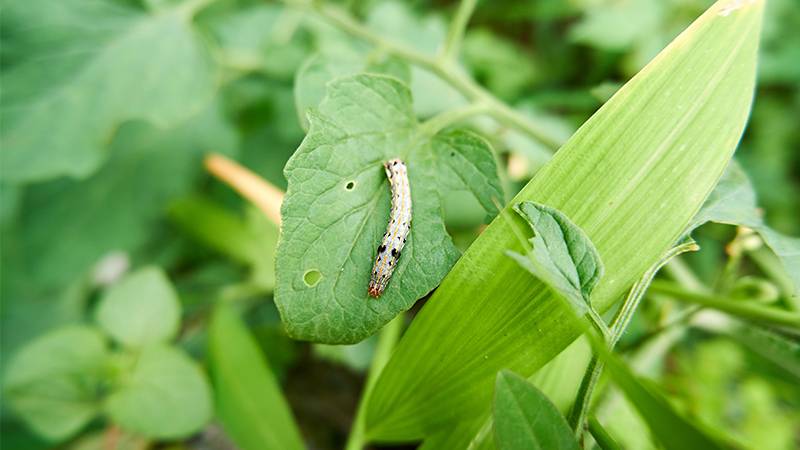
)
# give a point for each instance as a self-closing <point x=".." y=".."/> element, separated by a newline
<point x="396" y="231"/>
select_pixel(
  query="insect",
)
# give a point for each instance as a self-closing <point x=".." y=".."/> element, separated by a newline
<point x="396" y="231"/>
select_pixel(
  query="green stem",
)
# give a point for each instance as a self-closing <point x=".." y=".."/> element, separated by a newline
<point x="447" y="118"/>
<point x="772" y="268"/>
<point x="387" y="340"/>
<point x="446" y="70"/>
<point x="601" y="436"/>
<point x="736" y="307"/>
<point x="455" y="34"/>
<point x="619" y="324"/>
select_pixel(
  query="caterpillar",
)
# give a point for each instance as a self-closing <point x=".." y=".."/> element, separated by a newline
<point x="396" y="231"/>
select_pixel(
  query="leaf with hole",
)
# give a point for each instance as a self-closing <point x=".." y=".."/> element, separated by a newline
<point x="337" y="206"/>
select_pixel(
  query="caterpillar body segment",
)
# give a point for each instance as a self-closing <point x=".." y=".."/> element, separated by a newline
<point x="394" y="239"/>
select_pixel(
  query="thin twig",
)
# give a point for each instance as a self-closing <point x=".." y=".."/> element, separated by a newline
<point x="261" y="193"/>
<point x="455" y="34"/>
<point x="736" y="307"/>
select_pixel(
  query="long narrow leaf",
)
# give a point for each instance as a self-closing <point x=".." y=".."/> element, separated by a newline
<point x="249" y="402"/>
<point x="632" y="178"/>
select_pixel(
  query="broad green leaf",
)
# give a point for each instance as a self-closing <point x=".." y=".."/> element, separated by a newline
<point x="562" y="256"/>
<point x="525" y="419"/>
<point x="320" y="69"/>
<point x="733" y="201"/>
<point x="671" y="429"/>
<point x="53" y="382"/>
<point x="88" y="67"/>
<point x="117" y="207"/>
<point x="165" y="395"/>
<point x="337" y="206"/>
<point x="248" y="398"/>
<point x="631" y="178"/>
<point x="142" y="309"/>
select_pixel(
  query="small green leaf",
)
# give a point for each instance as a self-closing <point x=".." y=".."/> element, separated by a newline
<point x="337" y="206"/>
<point x="64" y="100"/>
<point x="733" y="201"/>
<point x="563" y="256"/>
<point x="114" y="209"/>
<point x="141" y="309"/>
<point x="248" y="398"/>
<point x="53" y="382"/>
<point x="165" y="395"/>
<point x="524" y="418"/>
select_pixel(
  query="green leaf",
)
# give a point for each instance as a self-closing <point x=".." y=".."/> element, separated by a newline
<point x="562" y="257"/>
<point x="165" y="395"/>
<point x="53" y="382"/>
<point x="142" y="309"/>
<point x="525" y="419"/>
<point x="73" y="88"/>
<point x="632" y="177"/>
<point x="337" y="206"/>
<point x="733" y="201"/>
<point x="248" y="398"/>
<point x="320" y="69"/>
<point x="671" y="429"/>
<point x="117" y="207"/>
<point x="261" y="37"/>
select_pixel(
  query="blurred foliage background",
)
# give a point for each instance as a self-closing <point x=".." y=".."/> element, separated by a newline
<point x="108" y="108"/>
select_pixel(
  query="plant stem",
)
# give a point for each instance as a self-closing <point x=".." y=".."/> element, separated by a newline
<point x="447" y="118"/>
<point x="772" y="268"/>
<point x="446" y="70"/>
<point x="601" y="436"/>
<point x="387" y="340"/>
<point x="455" y="34"/>
<point x="265" y="196"/>
<point x="736" y="307"/>
<point x="622" y="319"/>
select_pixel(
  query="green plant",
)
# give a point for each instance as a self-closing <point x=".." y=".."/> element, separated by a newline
<point x="561" y="191"/>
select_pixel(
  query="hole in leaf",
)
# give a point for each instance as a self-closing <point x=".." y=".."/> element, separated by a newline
<point x="350" y="185"/>
<point x="312" y="277"/>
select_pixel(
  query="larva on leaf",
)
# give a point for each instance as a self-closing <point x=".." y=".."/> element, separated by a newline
<point x="396" y="231"/>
